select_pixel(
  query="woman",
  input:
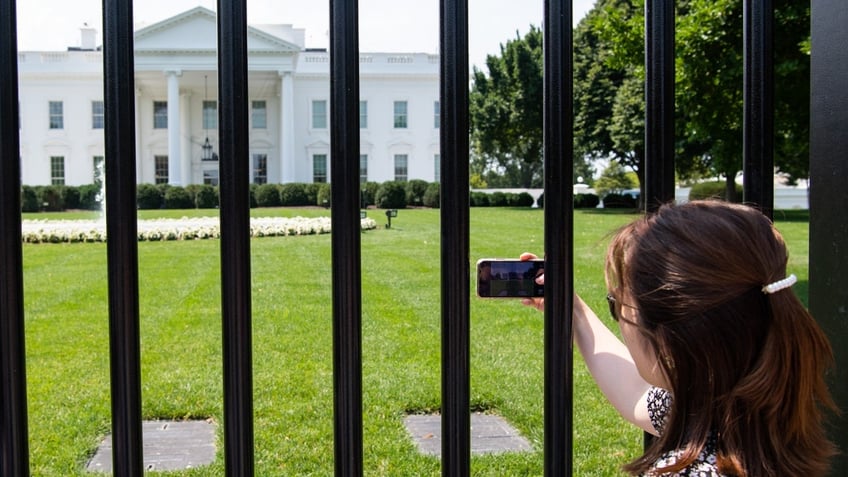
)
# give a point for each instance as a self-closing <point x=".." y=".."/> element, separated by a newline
<point x="720" y="359"/>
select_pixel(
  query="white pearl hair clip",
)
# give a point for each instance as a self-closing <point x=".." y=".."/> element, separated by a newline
<point x="780" y="284"/>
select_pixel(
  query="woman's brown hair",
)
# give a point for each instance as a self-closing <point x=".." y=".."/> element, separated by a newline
<point x="744" y="366"/>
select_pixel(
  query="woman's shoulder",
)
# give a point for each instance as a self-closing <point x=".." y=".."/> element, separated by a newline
<point x="659" y="404"/>
<point x="704" y="466"/>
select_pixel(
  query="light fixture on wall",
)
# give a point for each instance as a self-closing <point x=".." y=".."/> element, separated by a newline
<point x="207" y="154"/>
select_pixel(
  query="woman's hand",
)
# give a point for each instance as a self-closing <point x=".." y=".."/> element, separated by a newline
<point x="537" y="303"/>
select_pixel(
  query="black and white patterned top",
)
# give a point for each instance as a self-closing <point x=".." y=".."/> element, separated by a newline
<point x="659" y="404"/>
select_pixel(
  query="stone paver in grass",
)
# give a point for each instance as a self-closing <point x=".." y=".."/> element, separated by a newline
<point x="489" y="434"/>
<point x="166" y="445"/>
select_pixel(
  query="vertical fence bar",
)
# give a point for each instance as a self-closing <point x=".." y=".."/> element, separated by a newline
<point x="346" y="252"/>
<point x="122" y="245"/>
<point x="14" y="451"/>
<point x="455" y="243"/>
<point x="559" y="202"/>
<point x="828" y="196"/>
<point x="659" y="103"/>
<point x="235" y="238"/>
<point x="758" y="123"/>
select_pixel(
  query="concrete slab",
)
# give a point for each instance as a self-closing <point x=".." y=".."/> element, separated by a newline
<point x="489" y="434"/>
<point x="167" y="445"/>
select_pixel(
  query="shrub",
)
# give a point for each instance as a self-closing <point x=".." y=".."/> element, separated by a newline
<point x="521" y="199"/>
<point x="586" y="201"/>
<point x="70" y="197"/>
<point x="367" y="194"/>
<point x="498" y="199"/>
<point x="149" y="196"/>
<point x="294" y="194"/>
<point x="192" y="189"/>
<point x="479" y="199"/>
<point x="432" y="195"/>
<point x="177" y="197"/>
<point x="312" y="190"/>
<point x="541" y="201"/>
<point x="619" y="201"/>
<point x="268" y="195"/>
<point x="391" y="195"/>
<point x="415" y="190"/>
<point x="206" y="197"/>
<point x="324" y="195"/>
<point x="88" y="197"/>
<point x="29" y="199"/>
<point x="50" y="198"/>
<point x="713" y="190"/>
<point x="252" y="193"/>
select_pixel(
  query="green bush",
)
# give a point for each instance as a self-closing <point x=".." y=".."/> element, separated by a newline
<point x="312" y="190"/>
<point x="268" y="195"/>
<point x="149" y="196"/>
<point x="521" y="199"/>
<point x="619" y="201"/>
<point x="367" y="194"/>
<point x="177" y="197"/>
<point x="415" y="190"/>
<point x="391" y="195"/>
<point x="206" y="197"/>
<point x="479" y="199"/>
<point x="713" y="190"/>
<point x="541" y="201"/>
<point x="586" y="201"/>
<point x="295" y="194"/>
<point x="29" y="199"/>
<point x="70" y="197"/>
<point x="432" y="195"/>
<point x="324" y="195"/>
<point x="51" y="198"/>
<point x="88" y="197"/>
<point x="498" y="199"/>
<point x="192" y="189"/>
<point x="252" y="193"/>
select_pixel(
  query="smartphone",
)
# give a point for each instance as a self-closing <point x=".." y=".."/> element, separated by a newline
<point x="509" y="278"/>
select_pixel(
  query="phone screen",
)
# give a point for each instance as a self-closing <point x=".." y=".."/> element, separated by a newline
<point x="501" y="278"/>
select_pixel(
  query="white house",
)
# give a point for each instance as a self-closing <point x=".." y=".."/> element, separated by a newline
<point x="61" y="102"/>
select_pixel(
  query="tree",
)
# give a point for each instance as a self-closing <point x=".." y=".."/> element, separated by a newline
<point x="505" y="112"/>
<point x="614" y="179"/>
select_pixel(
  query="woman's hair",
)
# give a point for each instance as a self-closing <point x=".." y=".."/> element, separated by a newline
<point x="742" y="364"/>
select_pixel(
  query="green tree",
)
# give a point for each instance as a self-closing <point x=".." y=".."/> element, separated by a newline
<point x="614" y="179"/>
<point x="506" y="108"/>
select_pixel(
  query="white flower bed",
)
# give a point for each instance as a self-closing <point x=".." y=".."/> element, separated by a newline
<point x="56" y="231"/>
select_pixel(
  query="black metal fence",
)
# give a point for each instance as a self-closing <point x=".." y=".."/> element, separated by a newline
<point x="828" y="228"/>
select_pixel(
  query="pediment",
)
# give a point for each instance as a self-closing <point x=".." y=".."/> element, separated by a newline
<point x="197" y="30"/>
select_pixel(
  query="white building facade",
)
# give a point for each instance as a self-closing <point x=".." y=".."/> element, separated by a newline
<point x="62" y="113"/>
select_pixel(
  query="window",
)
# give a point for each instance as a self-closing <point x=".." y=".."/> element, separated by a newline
<point x="319" y="168"/>
<point x="210" y="115"/>
<point x="97" y="116"/>
<point x="401" y="171"/>
<point x="259" y="115"/>
<point x="363" y="168"/>
<point x="363" y="115"/>
<point x="210" y="177"/>
<point x="161" y="169"/>
<point x="260" y="168"/>
<point x="437" y="167"/>
<point x="437" y="114"/>
<point x="400" y="121"/>
<point x="57" y="116"/>
<point x="160" y="115"/>
<point x="57" y="170"/>
<point x="99" y="168"/>
<point x="319" y="114"/>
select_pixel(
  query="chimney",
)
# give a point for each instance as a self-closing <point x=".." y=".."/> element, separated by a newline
<point x="88" y="37"/>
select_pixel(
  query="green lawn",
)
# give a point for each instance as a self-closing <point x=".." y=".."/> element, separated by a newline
<point x="68" y="361"/>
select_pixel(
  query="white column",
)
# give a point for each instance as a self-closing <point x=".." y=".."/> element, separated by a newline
<point x="174" y="156"/>
<point x="139" y="158"/>
<point x="287" y="127"/>
<point x="187" y="158"/>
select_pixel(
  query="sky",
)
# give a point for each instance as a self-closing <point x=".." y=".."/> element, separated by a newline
<point x="385" y="25"/>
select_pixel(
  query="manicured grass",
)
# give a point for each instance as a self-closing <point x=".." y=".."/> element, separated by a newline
<point x="68" y="359"/>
